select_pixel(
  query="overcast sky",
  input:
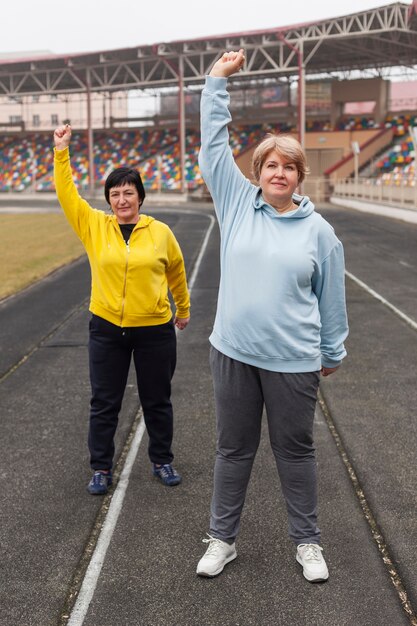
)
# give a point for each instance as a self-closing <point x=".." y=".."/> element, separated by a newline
<point x="87" y="25"/>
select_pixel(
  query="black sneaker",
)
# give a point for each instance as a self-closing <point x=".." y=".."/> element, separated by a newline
<point x="100" y="483"/>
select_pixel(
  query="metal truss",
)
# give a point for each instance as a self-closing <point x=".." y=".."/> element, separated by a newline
<point x="367" y="41"/>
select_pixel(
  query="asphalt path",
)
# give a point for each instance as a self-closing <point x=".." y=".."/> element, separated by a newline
<point x="129" y="559"/>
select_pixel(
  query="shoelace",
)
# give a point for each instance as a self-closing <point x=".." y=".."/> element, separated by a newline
<point x="311" y="552"/>
<point x="100" y="478"/>
<point x="166" y="470"/>
<point x="214" y="545"/>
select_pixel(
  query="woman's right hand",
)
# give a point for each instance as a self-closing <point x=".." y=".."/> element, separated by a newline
<point x="228" y="64"/>
<point x="62" y="137"/>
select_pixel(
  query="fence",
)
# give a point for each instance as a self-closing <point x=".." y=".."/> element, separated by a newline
<point x="316" y="188"/>
<point x="399" y="194"/>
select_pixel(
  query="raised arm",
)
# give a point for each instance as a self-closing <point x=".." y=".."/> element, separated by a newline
<point x="76" y="209"/>
<point x="222" y="176"/>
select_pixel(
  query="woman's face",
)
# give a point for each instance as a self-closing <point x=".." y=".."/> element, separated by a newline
<point x="278" y="179"/>
<point x="125" y="203"/>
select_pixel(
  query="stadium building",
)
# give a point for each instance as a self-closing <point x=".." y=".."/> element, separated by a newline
<point x="347" y="86"/>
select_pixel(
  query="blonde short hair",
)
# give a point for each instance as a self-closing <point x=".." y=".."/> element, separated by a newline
<point x="287" y="146"/>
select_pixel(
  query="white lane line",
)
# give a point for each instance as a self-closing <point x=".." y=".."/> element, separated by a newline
<point x="388" y="304"/>
<point x="92" y="574"/>
<point x="202" y="252"/>
<point x="93" y="571"/>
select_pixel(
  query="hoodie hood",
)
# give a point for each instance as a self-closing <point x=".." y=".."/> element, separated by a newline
<point x="144" y="220"/>
<point x="304" y="209"/>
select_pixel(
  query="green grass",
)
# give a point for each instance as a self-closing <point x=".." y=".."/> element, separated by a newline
<point x="32" y="246"/>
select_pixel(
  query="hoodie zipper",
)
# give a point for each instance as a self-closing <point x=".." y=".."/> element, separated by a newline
<point x="126" y="268"/>
<point x="124" y="283"/>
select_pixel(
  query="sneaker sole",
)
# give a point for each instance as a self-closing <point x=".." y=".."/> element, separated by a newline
<point x="321" y="579"/>
<point x="173" y="484"/>
<point x="219" y="571"/>
<point x="177" y="482"/>
<point x="98" y="493"/>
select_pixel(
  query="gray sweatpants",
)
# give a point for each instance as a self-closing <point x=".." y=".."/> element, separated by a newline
<point x="241" y="391"/>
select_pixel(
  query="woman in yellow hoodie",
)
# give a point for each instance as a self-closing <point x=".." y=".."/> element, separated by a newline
<point x="134" y="261"/>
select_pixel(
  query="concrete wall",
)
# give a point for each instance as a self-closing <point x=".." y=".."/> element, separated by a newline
<point x="372" y="89"/>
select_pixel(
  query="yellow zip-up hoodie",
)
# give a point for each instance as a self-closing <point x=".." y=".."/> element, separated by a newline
<point x="129" y="283"/>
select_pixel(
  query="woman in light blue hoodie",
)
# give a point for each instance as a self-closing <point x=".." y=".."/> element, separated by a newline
<point x="281" y="322"/>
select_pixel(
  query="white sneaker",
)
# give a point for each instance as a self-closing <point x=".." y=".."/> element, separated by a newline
<point x="309" y="555"/>
<point x="217" y="555"/>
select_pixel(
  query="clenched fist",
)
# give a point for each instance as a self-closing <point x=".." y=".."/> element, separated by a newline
<point x="228" y="64"/>
<point x="62" y="137"/>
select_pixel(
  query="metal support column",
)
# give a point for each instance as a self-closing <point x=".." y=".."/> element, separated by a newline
<point x="301" y="87"/>
<point x="90" y="137"/>
<point x="181" y="120"/>
<point x="301" y="97"/>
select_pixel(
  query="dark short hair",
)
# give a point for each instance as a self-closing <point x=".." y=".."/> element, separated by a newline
<point x="124" y="176"/>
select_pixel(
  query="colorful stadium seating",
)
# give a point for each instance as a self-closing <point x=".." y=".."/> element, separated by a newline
<point x="356" y="123"/>
<point x="397" y="166"/>
<point x="28" y="160"/>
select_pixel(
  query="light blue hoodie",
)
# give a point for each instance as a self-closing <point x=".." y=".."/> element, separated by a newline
<point x="281" y="303"/>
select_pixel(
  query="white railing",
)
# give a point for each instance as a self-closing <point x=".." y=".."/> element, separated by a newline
<point x="401" y="195"/>
<point x="315" y="188"/>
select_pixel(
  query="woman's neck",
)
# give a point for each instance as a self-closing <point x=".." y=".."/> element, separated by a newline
<point x="284" y="207"/>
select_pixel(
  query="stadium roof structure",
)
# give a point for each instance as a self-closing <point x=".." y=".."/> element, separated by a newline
<point x="370" y="40"/>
